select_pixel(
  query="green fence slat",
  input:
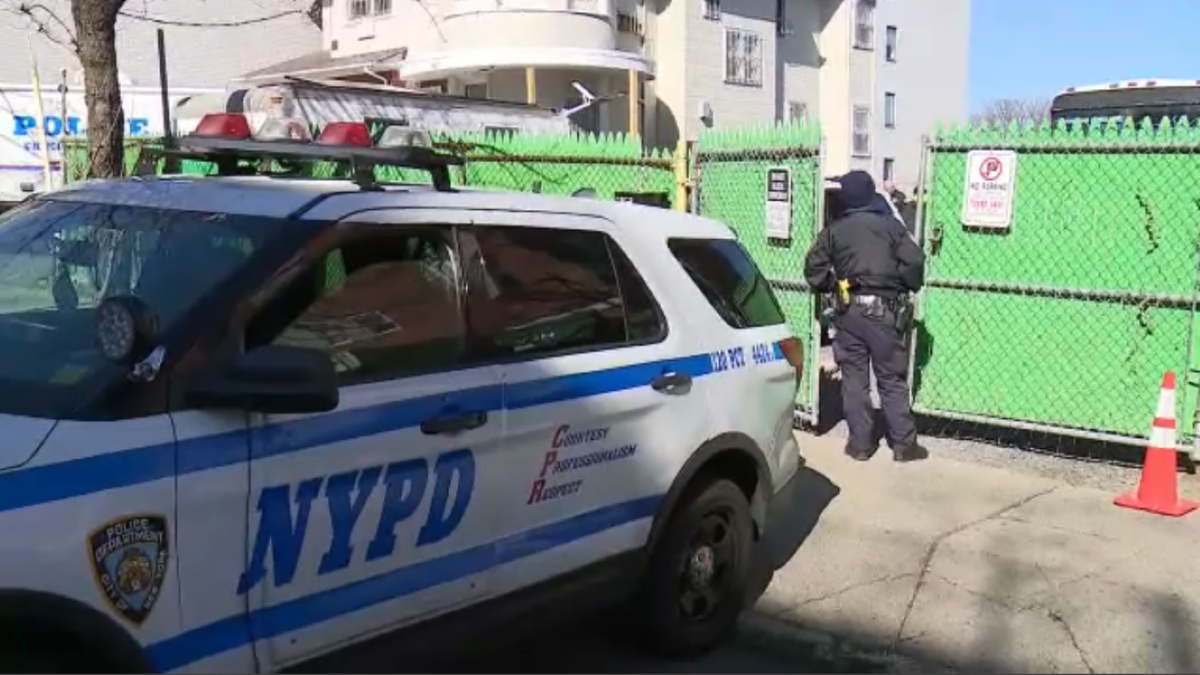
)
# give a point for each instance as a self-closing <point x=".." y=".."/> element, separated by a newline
<point x="731" y="168"/>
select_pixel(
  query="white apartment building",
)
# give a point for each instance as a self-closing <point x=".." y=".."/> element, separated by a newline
<point x="878" y="73"/>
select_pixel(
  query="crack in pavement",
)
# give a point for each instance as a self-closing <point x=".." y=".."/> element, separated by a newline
<point x="1058" y="618"/>
<point x="1016" y="609"/>
<point x="1060" y="528"/>
<point x="856" y="586"/>
<point x="931" y="550"/>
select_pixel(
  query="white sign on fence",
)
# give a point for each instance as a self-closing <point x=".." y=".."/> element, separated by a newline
<point x="989" y="188"/>
<point x="779" y="203"/>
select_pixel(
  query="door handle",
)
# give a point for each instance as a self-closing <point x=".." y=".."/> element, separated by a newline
<point x="453" y="422"/>
<point x="672" y="383"/>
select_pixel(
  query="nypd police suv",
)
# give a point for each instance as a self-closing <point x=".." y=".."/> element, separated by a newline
<point x="248" y="420"/>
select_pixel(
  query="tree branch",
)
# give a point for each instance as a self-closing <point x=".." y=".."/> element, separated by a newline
<point x="44" y="21"/>
<point x="1008" y="110"/>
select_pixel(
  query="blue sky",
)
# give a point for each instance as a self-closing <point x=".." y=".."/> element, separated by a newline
<point x="1035" y="48"/>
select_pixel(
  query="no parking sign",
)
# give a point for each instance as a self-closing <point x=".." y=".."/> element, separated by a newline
<point x="989" y="188"/>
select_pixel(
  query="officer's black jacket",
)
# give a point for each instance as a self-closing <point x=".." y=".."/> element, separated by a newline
<point x="873" y="251"/>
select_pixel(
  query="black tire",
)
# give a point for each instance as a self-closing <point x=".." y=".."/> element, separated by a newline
<point x="37" y="659"/>
<point x="43" y="651"/>
<point x="678" y="614"/>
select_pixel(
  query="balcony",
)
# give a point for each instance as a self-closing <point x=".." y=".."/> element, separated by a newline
<point x="478" y="35"/>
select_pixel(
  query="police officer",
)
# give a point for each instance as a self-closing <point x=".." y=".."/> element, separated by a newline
<point x="870" y="264"/>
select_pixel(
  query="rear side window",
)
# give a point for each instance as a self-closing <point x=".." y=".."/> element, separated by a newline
<point x="537" y="291"/>
<point x="730" y="280"/>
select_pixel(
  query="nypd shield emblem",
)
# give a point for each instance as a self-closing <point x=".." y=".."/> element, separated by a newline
<point x="129" y="557"/>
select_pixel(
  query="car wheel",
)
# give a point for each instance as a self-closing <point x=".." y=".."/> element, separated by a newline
<point x="20" y="660"/>
<point x="695" y="586"/>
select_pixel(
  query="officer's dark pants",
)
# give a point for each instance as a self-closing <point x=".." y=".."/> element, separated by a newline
<point x="861" y="342"/>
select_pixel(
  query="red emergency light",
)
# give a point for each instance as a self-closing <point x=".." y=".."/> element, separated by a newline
<point x="227" y="140"/>
<point x="223" y="125"/>
<point x="346" y="133"/>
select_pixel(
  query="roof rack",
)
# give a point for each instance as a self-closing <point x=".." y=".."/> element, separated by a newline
<point x="224" y="139"/>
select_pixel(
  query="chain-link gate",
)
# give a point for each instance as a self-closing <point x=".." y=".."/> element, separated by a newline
<point x="1065" y="321"/>
<point x="730" y="170"/>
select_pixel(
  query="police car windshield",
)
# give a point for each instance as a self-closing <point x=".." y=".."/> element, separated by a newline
<point x="59" y="259"/>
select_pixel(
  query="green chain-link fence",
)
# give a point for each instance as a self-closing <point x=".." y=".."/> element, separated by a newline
<point x="611" y="165"/>
<point x="730" y="169"/>
<point x="1066" y="320"/>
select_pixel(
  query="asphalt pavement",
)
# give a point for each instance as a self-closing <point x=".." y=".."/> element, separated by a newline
<point x="761" y="645"/>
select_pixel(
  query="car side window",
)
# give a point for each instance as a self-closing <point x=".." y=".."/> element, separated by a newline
<point x="643" y="316"/>
<point x="726" y="274"/>
<point x="538" y="291"/>
<point x="382" y="308"/>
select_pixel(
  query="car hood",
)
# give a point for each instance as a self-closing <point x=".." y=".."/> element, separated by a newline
<point x="20" y="438"/>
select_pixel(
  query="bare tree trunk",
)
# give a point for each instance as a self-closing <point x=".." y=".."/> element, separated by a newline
<point x="96" y="39"/>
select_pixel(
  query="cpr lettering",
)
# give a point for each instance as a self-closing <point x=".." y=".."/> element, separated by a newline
<point x="284" y="513"/>
<point x="565" y="437"/>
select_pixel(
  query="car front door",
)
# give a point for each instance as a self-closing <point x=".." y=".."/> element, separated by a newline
<point x="371" y="515"/>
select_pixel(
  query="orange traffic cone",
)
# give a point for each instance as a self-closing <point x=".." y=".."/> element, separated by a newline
<point x="1158" y="490"/>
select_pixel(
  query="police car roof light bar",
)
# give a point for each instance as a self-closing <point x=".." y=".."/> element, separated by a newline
<point x="226" y="144"/>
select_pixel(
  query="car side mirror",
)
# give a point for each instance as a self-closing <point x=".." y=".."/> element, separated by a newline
<point x="269" y="379"/>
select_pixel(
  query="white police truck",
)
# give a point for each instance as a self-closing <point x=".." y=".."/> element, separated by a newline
<point x="250" y="420"/>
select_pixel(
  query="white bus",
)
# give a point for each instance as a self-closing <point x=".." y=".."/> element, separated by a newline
<point x="1131" y="99"/>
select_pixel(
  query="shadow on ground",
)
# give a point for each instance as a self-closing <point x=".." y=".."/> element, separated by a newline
<point x="569" y="639"/>
<point x="830" y="415"/>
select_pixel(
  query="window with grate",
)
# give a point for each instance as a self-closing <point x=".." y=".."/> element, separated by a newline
<point x="383" y="7"/>
<point x="359" y="8"/>
<point x="743" y="57"/>
<point x="861" y="131"/>
<point x="712" y="9"/>
<point x="864" y="24"/>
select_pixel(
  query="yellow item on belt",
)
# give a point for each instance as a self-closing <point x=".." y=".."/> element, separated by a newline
<point x="844" y="290"/>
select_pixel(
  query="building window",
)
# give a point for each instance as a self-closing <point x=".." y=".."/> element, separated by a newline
<point x="891" y="38"/>
<point x="712" y="9"/>
<point x="864" y="24"/>
<point x="797" y="111"/>
<point x="889" y="168"/>
<point x="743" y="57"/>
<point x="359" y="8"/>
<point x="478" y="90"/>
<point x="889" y="110"/>
<point x="383" y="7"/>
<point x="862" y="131"/>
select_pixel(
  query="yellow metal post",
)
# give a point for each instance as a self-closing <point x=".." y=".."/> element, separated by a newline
<point x="682" y="180"/>
<point x="47" y="175"/>
<point x="531" y="86"/>
<point x="635" y="105"/>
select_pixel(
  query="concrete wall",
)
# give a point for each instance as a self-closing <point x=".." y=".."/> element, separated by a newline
<point x="197" y="56"/>
<point x="929" y="77"/>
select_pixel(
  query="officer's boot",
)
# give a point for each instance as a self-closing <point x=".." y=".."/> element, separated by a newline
<point x="913" y="453"/>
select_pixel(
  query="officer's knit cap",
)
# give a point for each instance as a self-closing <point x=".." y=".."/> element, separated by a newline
<point x="858" y="189"/>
